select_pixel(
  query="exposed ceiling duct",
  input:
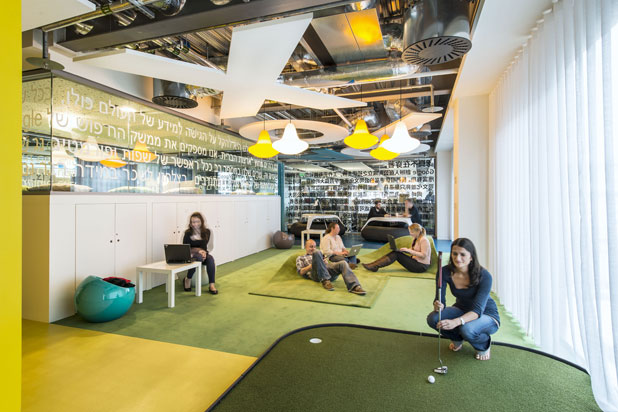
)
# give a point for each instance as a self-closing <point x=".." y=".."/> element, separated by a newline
<point x="341" y="75"/>
<point x="395" y="109"/>
<point x="368" y="114"/>
<point x="169" y="7"/>
<point x="436" y="31"/>
<point x="171" y="94"/>
<point x="126" y="17"/>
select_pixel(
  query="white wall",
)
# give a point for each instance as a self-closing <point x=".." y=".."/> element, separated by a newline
<point x="444" y="194"/>
<point x="472" y="133"/>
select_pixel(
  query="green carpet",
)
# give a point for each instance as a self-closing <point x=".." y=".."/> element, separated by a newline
<point x="286" y="283"/>
<point x="396" y="269"/>
<point x="236" y="322"/>
<point x="356" y="369"/>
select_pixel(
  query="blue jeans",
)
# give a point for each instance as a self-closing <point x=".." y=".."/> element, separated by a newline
<point x="339" y="258"/>
<point x="321" y="271"/>
<point x="477" y="332"/>
<point x="209" y="262"/>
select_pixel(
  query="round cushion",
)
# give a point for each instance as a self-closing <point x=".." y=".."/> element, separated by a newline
<point x="283" y="240"/>
<point x="99" y="301"/>
<point x="380" y="233"/>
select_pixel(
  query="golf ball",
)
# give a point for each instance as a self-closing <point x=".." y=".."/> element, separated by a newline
<point x="431" y="379"/>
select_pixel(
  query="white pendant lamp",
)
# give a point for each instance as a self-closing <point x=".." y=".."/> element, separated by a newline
<point x="90" y="151"/>
<point x="290" y="143"/>
<point x="400" y="142"/>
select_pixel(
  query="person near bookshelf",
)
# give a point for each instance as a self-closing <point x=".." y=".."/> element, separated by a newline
<point x="332" y="246"/>
<point x="377" y="210"/>
<point x="415" y="258"/>
<point x="411" y="211"/>
<point x="312" y="265"/>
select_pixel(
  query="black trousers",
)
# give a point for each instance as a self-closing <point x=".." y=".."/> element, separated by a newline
<point x="411" y="265"/>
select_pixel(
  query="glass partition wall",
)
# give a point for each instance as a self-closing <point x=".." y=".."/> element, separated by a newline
<point x="81" y="139"/>
<point x="350" y="194"/>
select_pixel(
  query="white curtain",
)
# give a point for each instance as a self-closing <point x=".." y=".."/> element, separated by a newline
<point x="554" y="188"/>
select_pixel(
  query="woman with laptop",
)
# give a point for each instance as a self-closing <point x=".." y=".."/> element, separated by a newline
<point x="415" y="258"/>
<point x="197" y="236"/>
<point x="332" y="247"/>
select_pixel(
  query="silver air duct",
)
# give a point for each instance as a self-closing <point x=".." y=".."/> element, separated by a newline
<point x="394" y="107"/>
<point x="172" y="94"/>
<point x="342" y="75"/>
<point x="126" y="17"/>
<point x="169" y="7"/>
<point x="436" y="31"/>
<point x="368" y="114"/>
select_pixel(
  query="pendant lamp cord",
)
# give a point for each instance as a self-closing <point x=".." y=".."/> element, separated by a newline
<point x="400" y="102"/>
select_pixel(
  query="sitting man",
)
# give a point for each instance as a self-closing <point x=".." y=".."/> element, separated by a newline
<point x="377" y="210"/>
<point x="313" y="266"/>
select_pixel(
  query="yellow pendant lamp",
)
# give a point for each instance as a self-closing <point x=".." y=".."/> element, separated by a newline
<point x="381" y="153"/>
<point x="141" y="154"/>
<point x="114" y="161"/>
<point x="361" y="138"/>
<point x="263" y="148"/>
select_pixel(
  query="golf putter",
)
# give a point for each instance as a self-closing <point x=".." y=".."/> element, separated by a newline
<point x="443" y="369"/>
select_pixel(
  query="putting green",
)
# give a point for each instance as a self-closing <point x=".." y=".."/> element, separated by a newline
<point x="360" y="369"/>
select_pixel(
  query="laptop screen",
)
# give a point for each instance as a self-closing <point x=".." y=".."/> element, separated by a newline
<point x="177" y="253"/>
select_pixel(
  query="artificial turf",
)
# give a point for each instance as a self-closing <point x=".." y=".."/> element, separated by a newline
<point x="358" y="369"/>
<point x="236" y="322"/>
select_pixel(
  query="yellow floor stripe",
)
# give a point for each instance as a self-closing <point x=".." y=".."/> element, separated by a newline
<point x="68" y="369"/>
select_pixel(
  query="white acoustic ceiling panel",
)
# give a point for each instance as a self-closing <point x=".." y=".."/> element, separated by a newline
<point x="258" y="54"/>
<point x="411" y="120"/>
<point x="366" y="153"/>
<point x="352" y="166"/>
<point x="308" y="98"/>
<point x="37" y="13"/>
<point x="149" y="65"/>
<point x="308" y="167"/>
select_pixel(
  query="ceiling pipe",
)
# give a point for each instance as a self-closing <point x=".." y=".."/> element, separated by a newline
<point x="341" y="75"/>
<point x="104" y="10"/>
<point x="366" y="73"/>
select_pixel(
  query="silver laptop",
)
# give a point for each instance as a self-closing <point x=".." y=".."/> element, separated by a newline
<point x="353" y="251"/>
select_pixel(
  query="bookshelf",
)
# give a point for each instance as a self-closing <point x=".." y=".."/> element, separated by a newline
<point x="350" y="195"/>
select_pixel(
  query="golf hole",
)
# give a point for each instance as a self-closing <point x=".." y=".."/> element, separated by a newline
<point x="315" y="340"/>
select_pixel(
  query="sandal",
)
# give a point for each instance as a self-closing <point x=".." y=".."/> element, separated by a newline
<point x="455" y="346"/>
<point x="213" y="291"/>
<point x="483" y="355"/>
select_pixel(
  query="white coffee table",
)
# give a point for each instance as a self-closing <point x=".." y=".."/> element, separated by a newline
<point x="310" y="232"/>
<point x="170" y="270"/>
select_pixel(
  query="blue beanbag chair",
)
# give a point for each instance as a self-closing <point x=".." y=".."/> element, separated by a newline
<point x="99" y="301"/>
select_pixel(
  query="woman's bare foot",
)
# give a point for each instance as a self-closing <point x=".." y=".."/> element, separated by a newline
<point x="455" y="346"/>
<point x="483" y="354"/>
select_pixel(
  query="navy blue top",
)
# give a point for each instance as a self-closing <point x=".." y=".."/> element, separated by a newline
<point x="201" y="243"/>
<point x="472" y="299"/>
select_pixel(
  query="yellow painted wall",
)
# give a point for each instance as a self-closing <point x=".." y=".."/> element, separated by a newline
<point x="10" y="208"/>
<point x="35" y="265"/>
